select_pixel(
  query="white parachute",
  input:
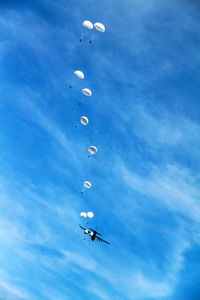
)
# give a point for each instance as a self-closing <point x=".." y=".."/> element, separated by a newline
<point x="86" y="92"/>
<point x="87" y="184"/>
<point x="100" y="27"/>
<point x="92" y="150"/>
<point x="90" y="214"/>
<point x="88" y="24"/>
<point x="83" y="214"/>
<point x="79" y="74"/>
<point x="84" y="120"/>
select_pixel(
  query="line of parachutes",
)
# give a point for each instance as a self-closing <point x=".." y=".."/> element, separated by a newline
<point x="87" y="92"/>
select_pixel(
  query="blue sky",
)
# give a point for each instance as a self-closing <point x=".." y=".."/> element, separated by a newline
<point x="144" y="73"/>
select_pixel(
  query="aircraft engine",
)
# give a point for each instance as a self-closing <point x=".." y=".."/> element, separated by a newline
<point x="86" y="231"/>
<point x="91" y="233"/>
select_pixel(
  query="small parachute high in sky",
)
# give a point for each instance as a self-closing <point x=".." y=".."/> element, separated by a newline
<point x="87" y="92"/>
<point x="79" y="74"/>
<point x="88" y="24"/>
<point x="93" y="150"/>
<point x="83" y="214"/>
<point x="87" y="185"/>
<point x="90" y="214"/>
<point x="100" y="27"/>
<point x="84" y="120"/>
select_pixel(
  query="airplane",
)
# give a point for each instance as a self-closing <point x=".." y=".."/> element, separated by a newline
<point x="93" y="234"/>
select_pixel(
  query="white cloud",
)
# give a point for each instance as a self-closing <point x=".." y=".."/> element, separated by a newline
<point x="173" y="187"/>
<point x="84" y="262"/>
<point x="146" y="287"/>
<point x="12" y="291"/>
<point x="98" y="291"/>
<point x="146" y="283"/>
<point x="159" y="129"/>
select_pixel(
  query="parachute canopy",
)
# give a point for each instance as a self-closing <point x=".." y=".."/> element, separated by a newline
<point x="90" y="214"/>
<point x="83" y="214"/>
<point x="84" y="120"/>
<point x="79" y="74"/>
<point x="99" y="27"/>
<point x="92" y="150"/>
<point x="87" y="184"/>
<point x="88" y="24"/>
<point x="86" y="92"/>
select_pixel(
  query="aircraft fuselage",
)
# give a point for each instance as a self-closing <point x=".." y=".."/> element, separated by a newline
<point x="93" y="236"/>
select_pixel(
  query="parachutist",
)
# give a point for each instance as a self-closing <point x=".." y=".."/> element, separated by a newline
<point x="76" y="126"/>
<point x="70" y="86"/>
<point x="88" y="155"/>
<point x="79" y="103"/>
<point x="80" y="40"/>
<point x="90" y="41"/>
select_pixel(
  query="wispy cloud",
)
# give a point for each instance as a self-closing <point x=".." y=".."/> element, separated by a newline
<point x="172" y="186"/>
<point x="9" y="290"/>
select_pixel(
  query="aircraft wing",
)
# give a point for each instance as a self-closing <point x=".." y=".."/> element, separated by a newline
<point x="82" y="227"/>
<point x="101" y="240"/>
